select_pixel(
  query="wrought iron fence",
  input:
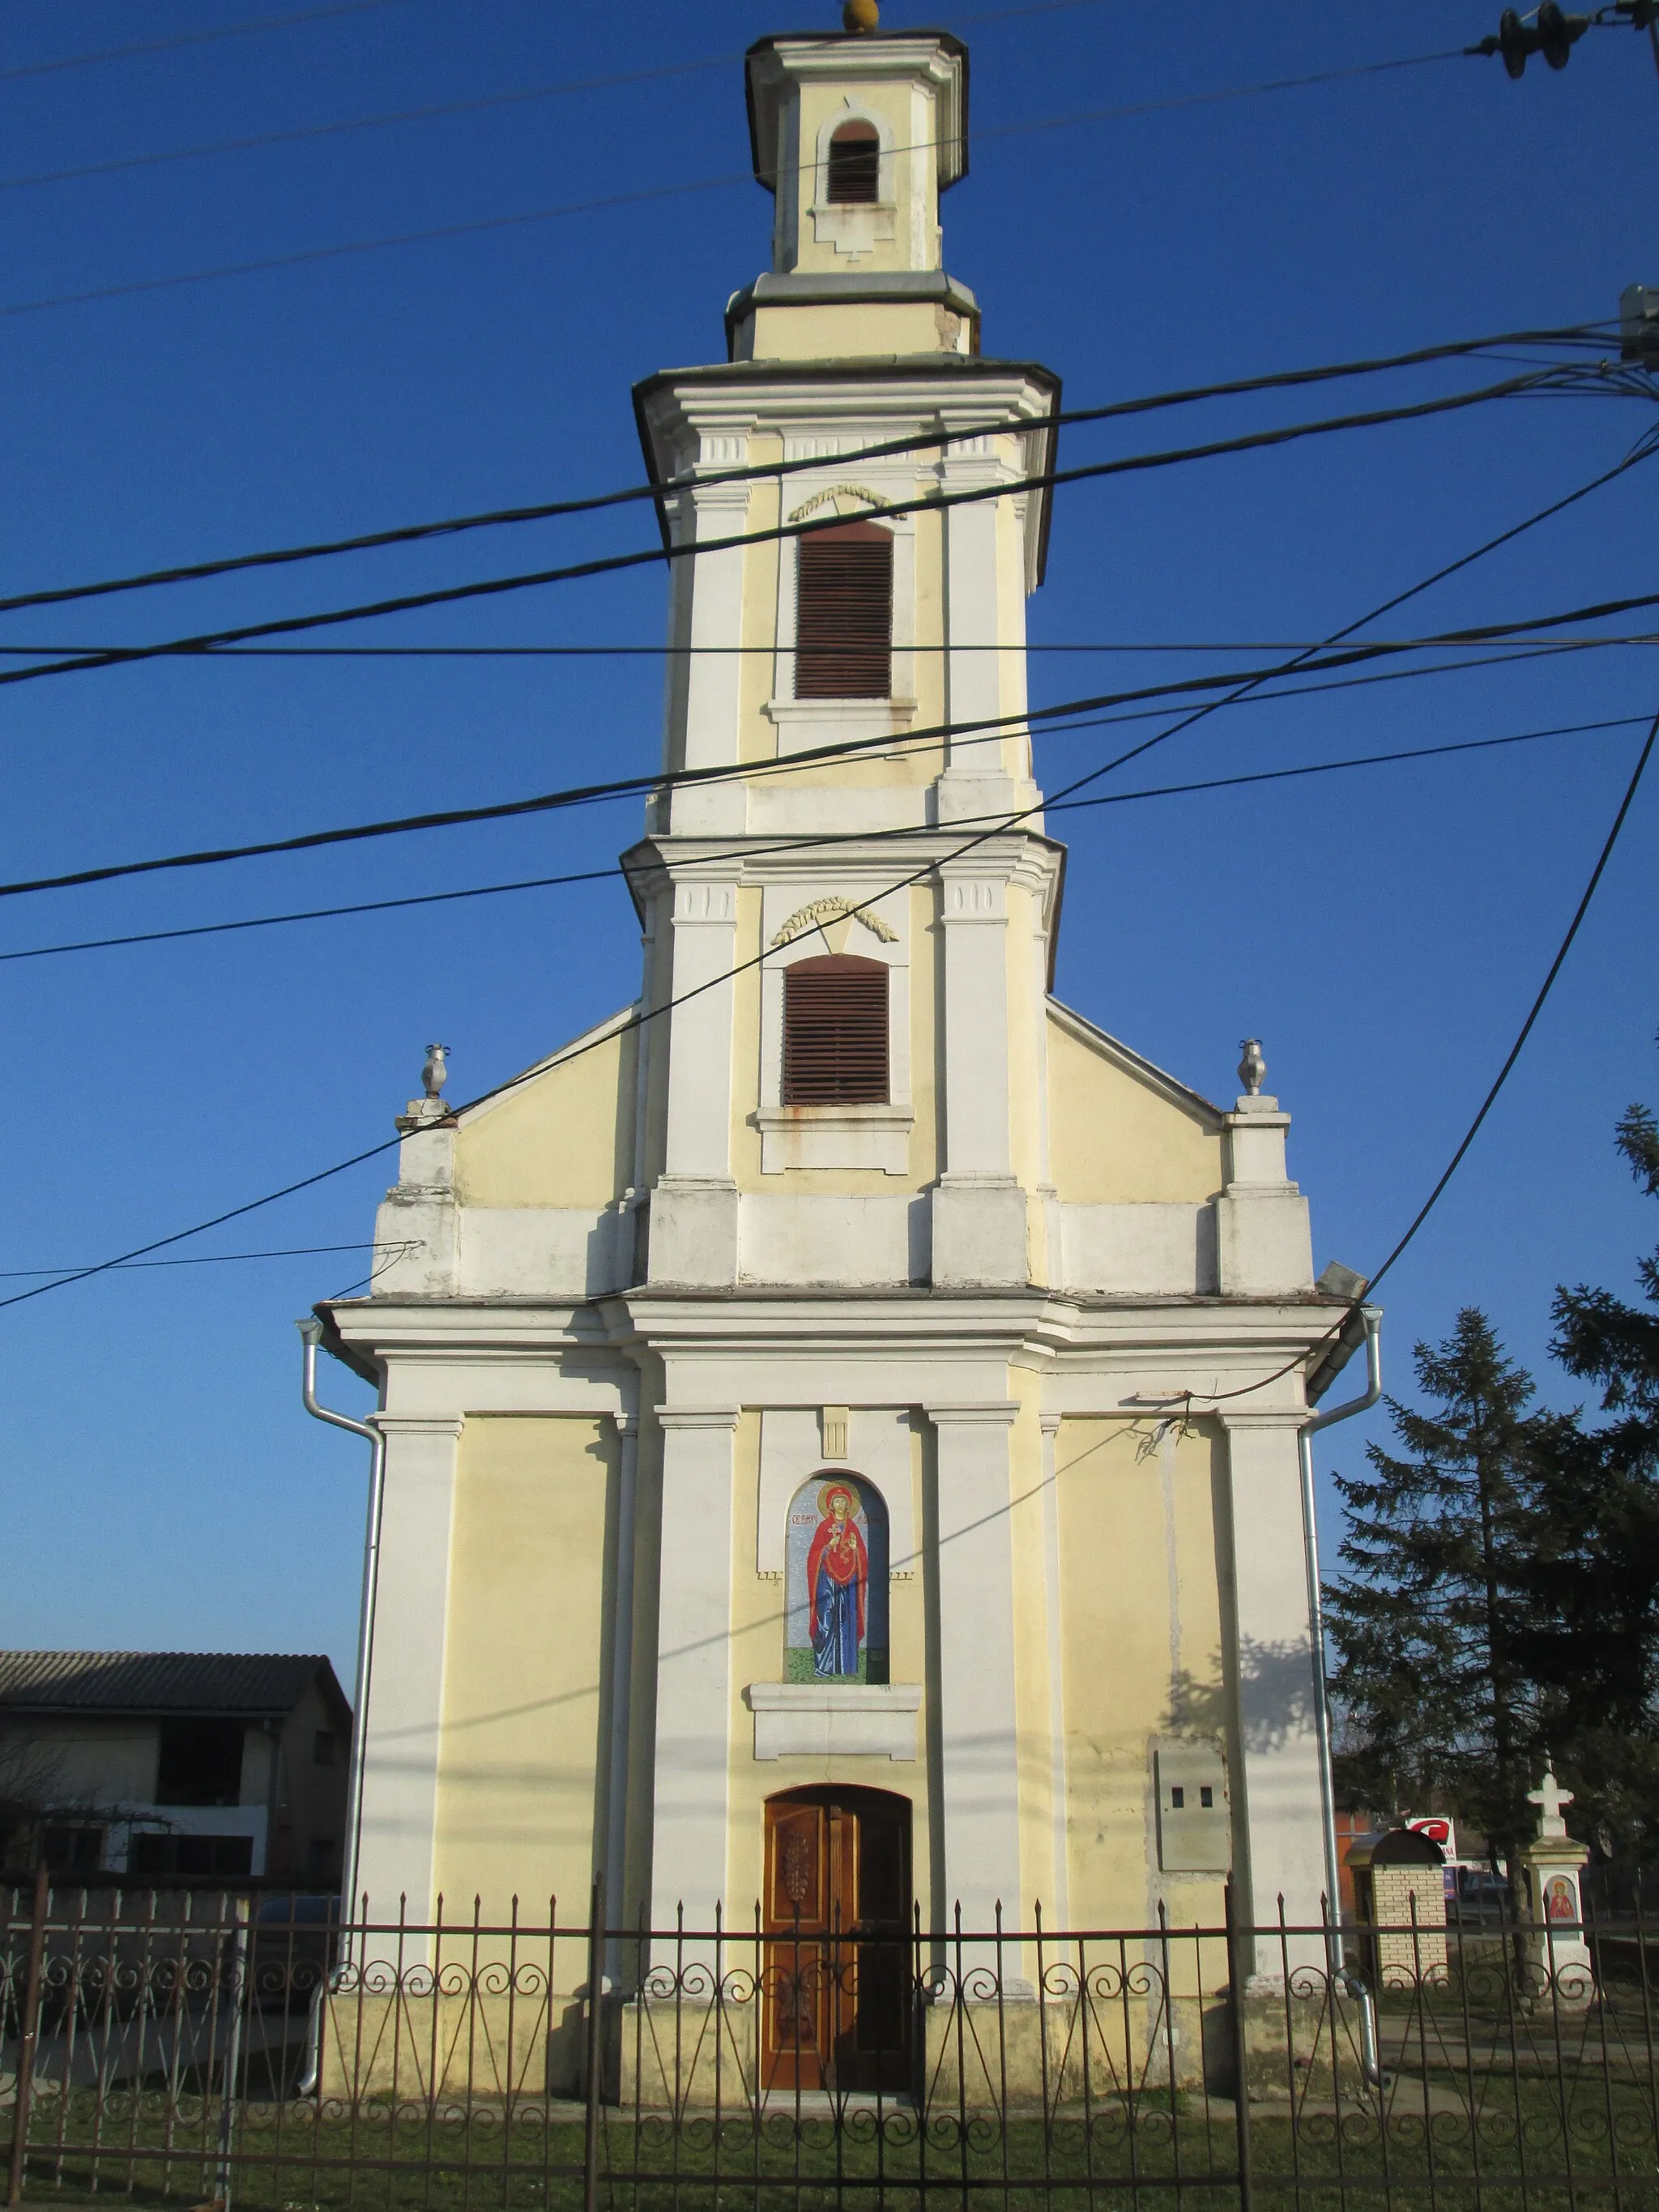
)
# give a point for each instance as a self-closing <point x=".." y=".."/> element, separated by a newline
<point x="247" y="2048"/>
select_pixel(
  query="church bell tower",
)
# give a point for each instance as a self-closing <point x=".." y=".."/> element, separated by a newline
<point x="879" y="611"/>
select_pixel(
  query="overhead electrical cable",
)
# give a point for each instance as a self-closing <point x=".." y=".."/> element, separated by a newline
<point x="1641" y="450"/>
<point x="702" y="184"/>
<point x="932" y="502"/>
<point x="210" y="1259"/>
<point x="312" y="131"/>
<point x="644" y="1014"/>
<point x="308" y="130"/>
<point x="1119" y="646"/>
<point x="658" y="493"/>
<point x="1536" y="1008"/>
<point x="1192" y="1399"/>
<point x="194" y="39"/>
<point x="724" y="773"/>
<point x="616" y="873"/>
<point x="583" y="794"/>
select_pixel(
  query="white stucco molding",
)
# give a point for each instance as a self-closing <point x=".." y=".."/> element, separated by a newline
<point x="860" y="409"/>
<point x="998" y="1413"/>
<point x="419" y="1424"/>
<point x="876" y="1137"/>
<point x="875" y="1720"/>
<point x="699" y="1416"/>
<point x="878" y="1452"/>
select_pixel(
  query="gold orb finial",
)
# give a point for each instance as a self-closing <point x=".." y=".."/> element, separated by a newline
<point x="860" y="15"/>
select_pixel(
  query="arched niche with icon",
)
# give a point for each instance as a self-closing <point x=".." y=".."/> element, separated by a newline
<point x="835" y="1567"/>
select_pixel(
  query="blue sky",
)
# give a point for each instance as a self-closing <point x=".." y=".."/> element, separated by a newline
<point x="1382" y="931"/>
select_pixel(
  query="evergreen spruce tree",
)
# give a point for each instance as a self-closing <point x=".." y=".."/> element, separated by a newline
<point x="1429" y="1623"/>
<point x="1595" y="1641"/>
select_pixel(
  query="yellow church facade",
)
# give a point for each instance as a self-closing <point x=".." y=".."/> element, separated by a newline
<point x="823" y="1406"/>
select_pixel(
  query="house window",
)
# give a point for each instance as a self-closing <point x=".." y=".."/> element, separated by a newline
<point x="854" y="166"/>
<point x="189" y="1858"/>
<point x="844" y="613"/>
<point x="200" y="1763"/>
<point x="835" y="1580"/>
<point x="835" y="1032"/>
<point x="72" y="1851"/>
<point x="325" y="1748"/>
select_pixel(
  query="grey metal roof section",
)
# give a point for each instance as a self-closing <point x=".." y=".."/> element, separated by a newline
<point x="259" y="1684"/>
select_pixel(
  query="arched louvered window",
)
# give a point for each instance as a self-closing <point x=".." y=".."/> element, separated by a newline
<point x="844" y="613"/>
<point x="855" y="165"/>
<point x="835" y="1032"/>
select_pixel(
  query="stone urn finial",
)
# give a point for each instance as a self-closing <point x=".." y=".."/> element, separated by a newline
<point x="435" y="1073"/>
<point x="1252" y="1068"/>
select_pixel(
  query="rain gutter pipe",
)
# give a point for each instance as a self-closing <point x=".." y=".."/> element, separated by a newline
<point x="310" y="1332"/>
<point x="1352" y="1982"/>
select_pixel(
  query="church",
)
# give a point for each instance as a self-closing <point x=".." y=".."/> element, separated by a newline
<point x="841" y="1412"/>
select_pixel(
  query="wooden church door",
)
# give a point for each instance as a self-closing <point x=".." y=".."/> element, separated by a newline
<point x="838" y="1995"/>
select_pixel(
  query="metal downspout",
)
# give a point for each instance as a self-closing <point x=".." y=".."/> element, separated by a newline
<point x="1370" y="2061"/>
<point x="310" y="1332"/>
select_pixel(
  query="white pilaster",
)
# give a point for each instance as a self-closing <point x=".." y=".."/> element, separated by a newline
<point x="416" y="1237"/>
<point x="979" y="1209"/>
<point x="973" y="691"/>
<point x="979" y="1805"/>
<point x="616" y="1902"/>
<point x="1264" y="1243"/>
<point x="694" y="1208"/>
<point x="1275" y="1794"/>
<point x="694" y="1649"/>
<point x="402" y="1737"/>
<point x="713" y="676"/>
<point x="1059" y="1902"/>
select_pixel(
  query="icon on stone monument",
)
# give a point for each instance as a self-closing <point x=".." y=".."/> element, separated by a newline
<point x="1560" y="1898"/>
<point x="836" y="1579"/>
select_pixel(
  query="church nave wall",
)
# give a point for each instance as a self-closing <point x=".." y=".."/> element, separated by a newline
<point x="531" y="1598"/>
<point x="1141" y="1638"/>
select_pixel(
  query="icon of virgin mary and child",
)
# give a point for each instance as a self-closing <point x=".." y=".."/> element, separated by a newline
<point x="837" y="1582"/>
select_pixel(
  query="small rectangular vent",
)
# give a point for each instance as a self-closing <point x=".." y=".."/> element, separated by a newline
<point x="844" y="614"/>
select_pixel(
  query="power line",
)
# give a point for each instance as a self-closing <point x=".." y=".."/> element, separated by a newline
<point x="731" y="652"/>
<point x="1537" y="1007"/>
<point x="495" y="518"/>
<point x="308" y="130"/>
<point x="792" y="845"/>
<point x="621" y="786"/>
<point x="207" y="1260"/>
<point x="644" y="1014"/>
<point x="695" y="184"/>
<point x="194" y="39"/>
<point x="611" y="564"/>
<point x="1332" y="1335"/>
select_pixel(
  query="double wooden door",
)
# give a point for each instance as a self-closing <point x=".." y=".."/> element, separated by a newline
<point x="838" y="1956"/>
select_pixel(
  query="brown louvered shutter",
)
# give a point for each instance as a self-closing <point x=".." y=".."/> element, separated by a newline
<point x="855" y="165"/>
<point x="844" y="614"/>
<point x="835" y="1032"/>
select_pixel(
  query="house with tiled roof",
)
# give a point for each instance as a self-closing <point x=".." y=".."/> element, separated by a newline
<point x="173" y="1766"/>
